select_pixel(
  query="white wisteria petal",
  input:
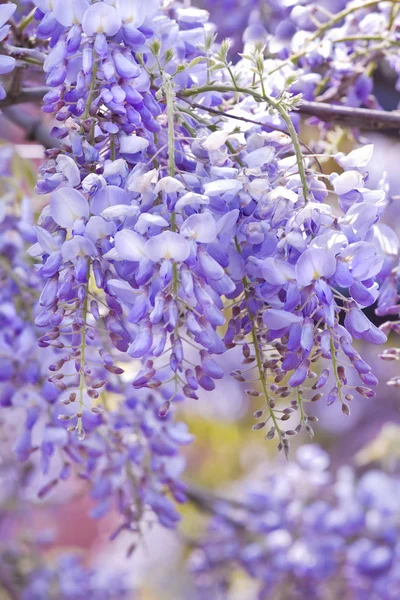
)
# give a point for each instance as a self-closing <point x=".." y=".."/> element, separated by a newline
<point x="169" y="185"/>
<point x="200" y="227"/>
<point x="141" y="182"/>
<point x="70" y="12"/>
<point x="147" y="220"/>
<point x="119" y="211"/>
<point x="67" y="205"/>
<point x="191" y="198"/>
<point x="222" y="186"/>
<point x="131" y="144"/>
<point x="347" y="181"/>
<point x="68" y="167"/>
<point x="167" y="245"/>
<point x="101" y="18"/>
<point x="356" y="159"/>
<point x="215" y="140"/>
<point x="129" y="245"/>
<point x="282" y="192"/>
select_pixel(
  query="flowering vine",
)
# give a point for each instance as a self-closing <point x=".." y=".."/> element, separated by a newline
<point x="187" y="216"/>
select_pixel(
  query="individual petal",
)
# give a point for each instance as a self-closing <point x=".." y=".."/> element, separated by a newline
<point x="110" y="195"/>
<point x="169" y="185"/>
<point x="332" y="240"/>
<point x="122" y="290"/>
<point x="124" y="67"/>
<point x="6" y="11"/>
<point x="313" y="264"/>
<point x="167" y="245"/>
<point x="7" y="64"/>
<point x="147" y="220"/>
<point x="279" y="319"/>
<point x="222" y="186"/>
<point x="67" y="205"/>
<point x="228" y="221"/>
<point x="356" y="159"/>
<point x="71" y="12"/>
<point x="192" y="15"/>
<point x="131" y="144"/>
<point x="200" y="227"/>
<point x="141" y="344"/>
<point x="134" y="12"/>
<point x="299" y="375"/>
<point x="141" y="182"/>
<point x="101" y="18"/>
<point x="120" y="211"/>
<point x="68" y="167"/>
<point x="282" y="192"/>
<point x="347" y="181"/>
<point x="112" y="255"/>
<point x="360" y="327"/>
<point x="385" y="240"/>
<point x="191" y="199"/>
<point x="210" y="267"/>
<point x="129" y="245"/>
<point x="78" y="246"/>
<point x="277" y="272"/>
<point x="363" y="295"/>
<point x="260" y="157"/>
<point x="215" y="140"/>
<point x="97" y="228"/>
<point x="363" y="260"/>
<point x="47" y="242"/>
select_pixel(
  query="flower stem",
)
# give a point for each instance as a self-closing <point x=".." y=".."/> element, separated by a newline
<point x="80" y="430"/>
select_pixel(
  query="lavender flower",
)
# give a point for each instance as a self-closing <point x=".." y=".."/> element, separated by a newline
<point x="305" y="531"/>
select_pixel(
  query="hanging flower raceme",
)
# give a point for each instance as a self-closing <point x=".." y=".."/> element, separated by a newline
<point x="59" y="342"/>
<point x="187" y="217"/>
<point x="304" y="529"/>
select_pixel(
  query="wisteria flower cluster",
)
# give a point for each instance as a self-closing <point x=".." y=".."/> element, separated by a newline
<point x="184" y="216"/>
<point x="303" y="533"/>
<point x="26" y="571"/>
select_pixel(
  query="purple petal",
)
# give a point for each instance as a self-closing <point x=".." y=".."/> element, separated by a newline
<point x="278" y="319"/>
<point x="129" y="245"/>
<point x="313" y="264"/>
<point x="71" y="12"/>
<point x="200" y="227"/>
<point x="101" y="18"/>
<point x="167" y="245"/>
<point x="277" y="272"/>
<point x="67" y="205"/>
<point x="7" y="64"/>
<point x="6" y="11"/>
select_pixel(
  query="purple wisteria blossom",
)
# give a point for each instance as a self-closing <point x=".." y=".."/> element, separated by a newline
<point x="304" y="532"/>
<point x="183" y="215"/>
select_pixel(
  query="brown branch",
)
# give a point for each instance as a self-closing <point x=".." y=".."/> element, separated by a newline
<point x="33" y="127"/>
<point x="34" y="94"/>
<point x="362" y="118"/>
